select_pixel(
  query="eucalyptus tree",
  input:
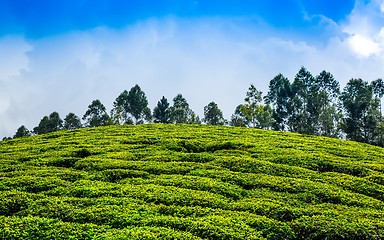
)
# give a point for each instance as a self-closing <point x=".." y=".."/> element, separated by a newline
<point x="181" y="113"/>
<point x="22" y="131"/>
<point x="325" y="111"/>
<point x="96" y="115"/>
<point x="238" y="118"/>
<point x="279" y="97"/>
<point x="134" y="104"/>
<point x="213" y="115"/>
<point x="72" y="121"/>
<point x="378" y="91"/>
<point x="301" y="120"/>
<point x="51" y="123"/>
<point x="256" y="114"/>
<point x="361" y="112"/>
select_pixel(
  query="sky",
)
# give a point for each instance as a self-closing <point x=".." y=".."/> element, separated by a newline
<point x="58" y="55"/>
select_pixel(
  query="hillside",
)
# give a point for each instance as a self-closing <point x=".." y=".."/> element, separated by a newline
<point x="189" y="182"/>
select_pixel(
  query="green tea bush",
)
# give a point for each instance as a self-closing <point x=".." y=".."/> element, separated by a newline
<point x="166" y="181"/>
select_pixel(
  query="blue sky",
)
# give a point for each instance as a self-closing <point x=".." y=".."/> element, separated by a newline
<point x="60" y="55"/>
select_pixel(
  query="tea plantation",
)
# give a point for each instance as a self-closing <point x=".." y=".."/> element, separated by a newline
<point x="160" y="181"/>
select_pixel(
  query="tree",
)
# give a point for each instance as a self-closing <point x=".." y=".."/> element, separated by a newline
<point x="181" y="113"/>
<point x="49" y="124"/>
<point x="134" y="104"/>
<point x="55" y="122"/>
<point x="238" y="119"/>
<point x="161" y="112"/>
<point x="279" y="96"/>
<point x="121" y="106"/>
<point x="361" y="110"/>
<point x="138" y="105"/>
<point x="43" y="126"/>
<point x="71" y="122"/>
<point x="301" y="120"/>
<point x="254" y="112"/>
<point x="251" y="107"/>
<point x="378" y="91"/>
<point x="264" y="117"/>
<point x="22" y="132"/>
<point x="96" y="115"/>
<point x="117" y="116"/>
<point x="193" y="119"/>
<point x="213" y="115"/>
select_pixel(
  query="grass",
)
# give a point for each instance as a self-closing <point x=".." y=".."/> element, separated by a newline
<point x="159" y="181"/>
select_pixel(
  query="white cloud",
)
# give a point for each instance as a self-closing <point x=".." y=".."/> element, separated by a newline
<point x="364" y="27"/>
<point x="206" y="60"/>
<point x="363" y="46"/>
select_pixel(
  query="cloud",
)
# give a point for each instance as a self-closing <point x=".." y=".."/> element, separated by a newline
<point x="363" y="46"/>
<point x="205" y="59"/>
<point x="364" y="29"/>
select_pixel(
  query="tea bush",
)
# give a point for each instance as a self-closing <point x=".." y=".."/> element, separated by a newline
<point x="160" y="181"/>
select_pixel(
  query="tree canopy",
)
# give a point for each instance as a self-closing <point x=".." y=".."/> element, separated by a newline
<point x="96" y="115"/>
<point x="213" y="115"/>
<point x="310" y="104"/>
<point x="161" y="113"/>
<point x="133" y="104"/>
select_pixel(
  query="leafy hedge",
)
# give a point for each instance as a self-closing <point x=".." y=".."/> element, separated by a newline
<point x="160" y="181"/>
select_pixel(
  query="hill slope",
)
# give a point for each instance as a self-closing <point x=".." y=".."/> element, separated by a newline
<point x="189" y="182"/>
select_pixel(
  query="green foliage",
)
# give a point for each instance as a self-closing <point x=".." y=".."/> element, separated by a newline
<point x="72" y="122"/>
<point x="96" y="115"/>
<point x="22" y="132"/>
<point x="132" y="104"/>
<point x="161" y="112"/>
<point x="362" y="114"/>
<point x="49" y="124"/>
<point x="238" y="119"/>
<point x="165" y="181"/>
<point x="213" y="115"/>
<point x="181" y="113"/>
<point x="256" y="115"/>
<point x="279" y="96"/>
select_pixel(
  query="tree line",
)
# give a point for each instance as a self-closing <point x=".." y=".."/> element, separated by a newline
<point x="312" y="105"/>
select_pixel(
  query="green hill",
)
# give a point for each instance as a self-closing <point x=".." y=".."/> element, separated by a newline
<point x="189" y="182"/>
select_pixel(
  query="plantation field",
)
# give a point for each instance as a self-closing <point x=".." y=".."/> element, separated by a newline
<point x="159" y="181"/>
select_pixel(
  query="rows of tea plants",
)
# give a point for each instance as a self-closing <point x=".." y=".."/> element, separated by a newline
<point x="160" y="181"/>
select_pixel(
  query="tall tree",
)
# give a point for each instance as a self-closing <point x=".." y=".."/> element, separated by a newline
<point x="96" y="115"/>
<point x="134" y="104"/>
<point x="254" y="111"/>
<point x="378" y="91"/>
<point x="361" y="110"/>
<point x="264" y="117"/>
<point x="43" y="126"/>
<point x="52" y="123"/>
<point x="120" y="107"/>
<point x="181" y="113"/>
<point x="117" y="116"/>
<point x="55" y="122"/>
<point x="301" y="120"/>
<point x="238" y="119"/>
<point x="251" y="107"/>
<point x="138" y="105"/>
<point x="22" y="132"/>
<point x="213" y="115"/>
<point x="279" y="96"/>
<point x="325" y="110"/>
<point x="72" y="121"/>
<point x="161" y="112"/>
